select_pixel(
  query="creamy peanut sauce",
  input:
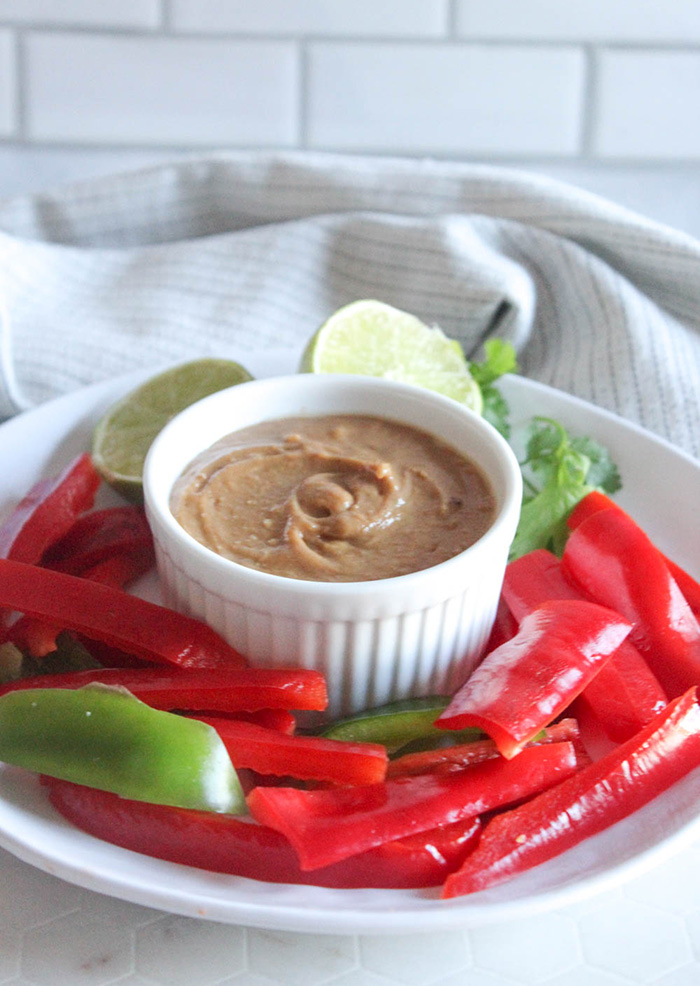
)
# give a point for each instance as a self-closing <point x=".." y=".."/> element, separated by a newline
<point x="342" y="498"/>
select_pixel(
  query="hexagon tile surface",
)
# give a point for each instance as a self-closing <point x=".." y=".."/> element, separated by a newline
<point x="646" y="932"/>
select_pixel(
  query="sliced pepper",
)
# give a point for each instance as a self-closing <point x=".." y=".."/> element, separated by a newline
<point x="105" y="738"/>
<point x="526" y="683"/>
<point x="396" y="724"/>
<point x="282" y="720"/>
<point x="625" y="694"/>
<point x="226" y="844"/>
<point x="588" y="802"/>
<point x="393" y="725"/>
<point x="610" y="558"/>
<point x="235" y="689"/>
<point x="504" y="626"/>
<point x="38" y="637"/>
<point x="48" y="511"/>
<point x="305" y="757"/>
<point x="122" y="568"/>
<point x="592" y="503"/>
<point x="99" y="535"/>
<point x="462" y="755"/>
<point x="595" y="502"/>
<point x="121" y="620"/>
<point x="327" y="825"/>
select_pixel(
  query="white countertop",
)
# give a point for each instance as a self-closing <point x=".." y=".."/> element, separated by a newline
<point x="55" y="934"/>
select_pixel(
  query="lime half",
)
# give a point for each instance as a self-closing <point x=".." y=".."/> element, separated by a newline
<point x="374" y="339"/>
<point x="124" y="434"/>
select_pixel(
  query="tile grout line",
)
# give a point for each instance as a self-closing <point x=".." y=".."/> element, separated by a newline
<point x="303" y="94"/>
<point x="589" y="110"/>
<point x="451" y="21"/>
<point x="165" y="19"/>
<point x="21" y="86"/>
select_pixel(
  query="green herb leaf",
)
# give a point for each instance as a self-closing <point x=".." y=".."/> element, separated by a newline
<point x="500" y="358"/>
<point x="558" y="471"/>
<point x="602" y="472"/>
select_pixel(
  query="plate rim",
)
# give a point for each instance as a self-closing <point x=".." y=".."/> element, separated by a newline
<point x="319" y="917"/>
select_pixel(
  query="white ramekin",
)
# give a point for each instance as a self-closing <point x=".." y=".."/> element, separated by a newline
<point x="376" y="641"/>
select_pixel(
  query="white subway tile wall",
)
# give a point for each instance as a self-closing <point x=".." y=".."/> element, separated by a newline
<point x="7" y="83"/>
<point x="507" y="79"/>
<point x="649" y="104"/>
<point x="596" y="86"/>
<point x="96" y="88"/>
<point x="83" y="13"/>
<point x="439" y="98"/>
<point x="344" y="18"/>
<point x="601" y="21"/>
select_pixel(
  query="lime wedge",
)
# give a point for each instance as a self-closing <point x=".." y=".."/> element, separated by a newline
<point x="374" y="339"/>
<point x="124" y="434"/>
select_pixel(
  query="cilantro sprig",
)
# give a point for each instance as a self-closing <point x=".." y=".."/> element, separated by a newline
<point x="558" y="471"/>
<point x="499" y="358"/>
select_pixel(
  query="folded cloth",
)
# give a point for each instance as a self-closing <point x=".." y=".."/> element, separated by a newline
<point x="234" y="253"/>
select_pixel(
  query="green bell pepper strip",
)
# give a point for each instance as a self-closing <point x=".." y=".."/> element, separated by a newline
<point x="105" y="738"/>
<point x="154" y="633"/>
<point x="396" y="724"/>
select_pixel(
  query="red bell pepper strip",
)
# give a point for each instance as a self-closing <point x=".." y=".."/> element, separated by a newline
<point x="533" y="579"/>
<point x="588" y="802"/>
<point x="688" y="586"/>
<point x="34" y="637"/>
<point x="526" y="683"/>
<point x="226" y="844"/>
<point x="120" y="569"/>
<point x="99" y="535"/>
<point x="612" y="560"/>
<point x="230" y="689"/>
<point x="121" y="620"/>
<point x="48" y="511"/>
<point x="331" y="824"/>
<point x="303" y="757"/>
<point x="38" y="637"/>
<point x="449" y="758"/>
<point x="112" y="657"/>
<point x="625" y="694"/>
<point x="595" y="502"/>
<point x="504" y="626"/>
<point x="281" y="720"/>
<point x="592" y="503"/>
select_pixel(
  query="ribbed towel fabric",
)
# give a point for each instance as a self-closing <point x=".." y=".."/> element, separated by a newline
<point x="237" y="252"/>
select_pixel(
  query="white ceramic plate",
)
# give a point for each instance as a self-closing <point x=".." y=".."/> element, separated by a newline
<point x="662" y="489"/>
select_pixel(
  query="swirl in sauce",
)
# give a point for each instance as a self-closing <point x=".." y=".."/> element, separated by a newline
<point x="341" y="498"/>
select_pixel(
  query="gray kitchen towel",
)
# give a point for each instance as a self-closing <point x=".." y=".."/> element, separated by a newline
<point x="238" y="252"/>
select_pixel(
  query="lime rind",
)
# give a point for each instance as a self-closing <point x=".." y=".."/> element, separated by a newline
<point x="371" y="338"/>
<point x="124" y="434"/>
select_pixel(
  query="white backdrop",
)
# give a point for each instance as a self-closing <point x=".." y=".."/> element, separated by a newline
<point x="601" y="93"/>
